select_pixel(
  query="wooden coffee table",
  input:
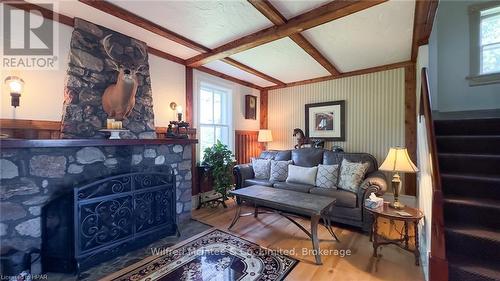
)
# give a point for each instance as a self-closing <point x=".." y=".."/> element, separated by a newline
<point x="287" y="203"/>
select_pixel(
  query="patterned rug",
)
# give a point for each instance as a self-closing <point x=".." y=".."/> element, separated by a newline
<point x="215" y="255"/>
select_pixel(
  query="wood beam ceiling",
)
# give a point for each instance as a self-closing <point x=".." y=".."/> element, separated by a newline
<point x="326" y="13"/>
<point x="344" y="74"/>
<point x="48" y="14"/>
<point x="270" y="12"/>
<point x="125" y="15"/>
<point x="425" y="11"/>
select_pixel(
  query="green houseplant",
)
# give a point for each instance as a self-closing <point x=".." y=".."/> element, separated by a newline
<point x="219" y="160"/>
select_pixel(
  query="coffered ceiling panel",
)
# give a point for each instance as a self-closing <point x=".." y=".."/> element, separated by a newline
<point x="77" y="9"/>
<point x="238" y="73"/>
<point x="283" y="60"/>
<point x="210" y="23"/>
<point x="373" y="37"/>
<point x="290" y="9"/>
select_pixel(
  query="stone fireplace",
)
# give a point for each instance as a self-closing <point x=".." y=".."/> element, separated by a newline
<point x="92" y="69"/>
<point x="35" y="172"/>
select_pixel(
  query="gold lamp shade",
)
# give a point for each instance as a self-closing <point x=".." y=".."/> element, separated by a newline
<point x="398" y="160"/>
<point x="265" y="136"/>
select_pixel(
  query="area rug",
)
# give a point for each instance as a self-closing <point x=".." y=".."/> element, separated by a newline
<point x="213" y="255"/>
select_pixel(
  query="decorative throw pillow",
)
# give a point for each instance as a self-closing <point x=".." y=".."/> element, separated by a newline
<point x="279" y="170"/>
<point x="305" y="175"/>
<point x="327" y="176"/>
<point x="351" y="175"/>
<point x="261" y="168"/>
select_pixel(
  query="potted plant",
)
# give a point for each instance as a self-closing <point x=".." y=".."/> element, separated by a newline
<point x="219" y="160"/>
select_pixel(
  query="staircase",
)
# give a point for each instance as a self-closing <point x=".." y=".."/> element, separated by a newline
<point x="469" y="161"/>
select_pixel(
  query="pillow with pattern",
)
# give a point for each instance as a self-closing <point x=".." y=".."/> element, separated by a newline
<point x="261" y="168"/>
<point x="327" y="176"/>
<point x="279" y="170"/>
<point x="351" y="175"/>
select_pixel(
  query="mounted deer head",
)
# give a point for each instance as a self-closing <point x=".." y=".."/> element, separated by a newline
<point x="119" y="99"/>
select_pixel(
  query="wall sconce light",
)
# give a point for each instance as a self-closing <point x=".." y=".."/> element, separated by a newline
<point x="177" y="107"/>
<point x="16" y="86"/>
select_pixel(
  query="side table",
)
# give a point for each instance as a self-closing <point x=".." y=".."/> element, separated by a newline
<point x="389" y="213"/>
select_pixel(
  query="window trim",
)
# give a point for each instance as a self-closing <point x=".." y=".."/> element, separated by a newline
<point x="207" y="82"/>
<point x="475" y="77"/>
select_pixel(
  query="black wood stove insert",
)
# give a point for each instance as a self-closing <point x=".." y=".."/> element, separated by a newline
<point x="107" y="218"/>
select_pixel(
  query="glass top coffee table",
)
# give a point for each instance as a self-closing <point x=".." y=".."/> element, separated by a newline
<point x="286" y="203"/>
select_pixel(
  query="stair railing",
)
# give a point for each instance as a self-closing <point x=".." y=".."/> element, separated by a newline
<point x="438" y="264"/>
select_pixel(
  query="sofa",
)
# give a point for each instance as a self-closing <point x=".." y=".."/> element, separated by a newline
<point x="349" y="207"/>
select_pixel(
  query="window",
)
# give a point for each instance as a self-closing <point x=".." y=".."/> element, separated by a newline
<point x="214" y="116"/>
<point x="485" y="43"/>
<point x="490" y="40"/>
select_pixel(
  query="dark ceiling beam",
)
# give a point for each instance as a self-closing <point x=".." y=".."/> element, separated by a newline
<point x="321" y="15"/>
<point x="270" y="12"/>
<point x="425" y="11"/>
<point x="344" y="75"/>
<point x="48" y="14"/>
<point x="125" y="15"/>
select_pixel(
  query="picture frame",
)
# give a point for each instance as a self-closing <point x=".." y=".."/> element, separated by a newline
<point x="251" y="107"/>
<point x="325" y="120"/>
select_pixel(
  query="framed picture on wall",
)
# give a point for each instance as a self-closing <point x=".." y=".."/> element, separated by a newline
<point x="326" y="120"/>
<point x="250" y="107"/>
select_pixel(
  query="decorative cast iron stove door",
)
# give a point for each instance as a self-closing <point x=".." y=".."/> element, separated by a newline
<point x="120" y="213"/>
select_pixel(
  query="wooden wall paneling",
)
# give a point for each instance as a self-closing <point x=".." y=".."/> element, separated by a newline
<point x="40" y="129"/>
<point x="411" y="125"/>
<point x="264" y="96"/>
<point x="246" y="146"/>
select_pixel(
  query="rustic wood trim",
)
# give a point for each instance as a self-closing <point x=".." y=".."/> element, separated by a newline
<point x="227" y="77"/>
<point x="411" y="125"/>
<point x="425" y="11"/>
<point x="270" y="12"/>
<point x="46" y="13"/>
<point x="123" y="14"/>
<point x="438" y="269"/>
<point x="23" y="5"/>
<point x="344" y="75"/>
<point x="438" y="264"/>
<point x="263" y="118"/>
<point x="29" y="124"/>
<point x="166" y="56"/>
<point x="189" y="95"/>
<point x="326" y="13"/>
<point x="42" y="129"/>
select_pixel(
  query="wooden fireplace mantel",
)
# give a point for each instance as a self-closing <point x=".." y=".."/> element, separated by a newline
<point x="36" y="143"/>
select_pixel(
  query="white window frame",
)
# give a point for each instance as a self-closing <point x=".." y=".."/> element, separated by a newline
<point x="208" y="83"/>
<point x="476" y="78"/>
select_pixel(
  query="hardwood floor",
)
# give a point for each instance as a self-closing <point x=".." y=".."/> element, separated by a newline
<point x="275" y="232"/>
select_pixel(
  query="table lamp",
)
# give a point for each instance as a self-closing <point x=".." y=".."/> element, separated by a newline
<point x="264" y="137"/>
<point x="398" y="161"/>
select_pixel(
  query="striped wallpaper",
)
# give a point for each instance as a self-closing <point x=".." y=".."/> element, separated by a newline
<point x="374" y="111"/>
